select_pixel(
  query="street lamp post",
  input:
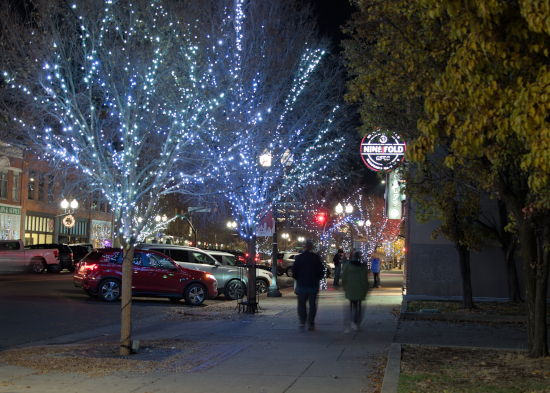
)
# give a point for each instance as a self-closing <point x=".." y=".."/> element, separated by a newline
<point x="68" y="216"/>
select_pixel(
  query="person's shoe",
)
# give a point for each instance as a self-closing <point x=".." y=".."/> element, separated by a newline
<point x="311" y="327"/>
<point x="302" y="327"/>
<point x="347" y="330"/>
<point x="356" y="327"/>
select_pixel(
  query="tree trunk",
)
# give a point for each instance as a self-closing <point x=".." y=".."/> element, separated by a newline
<point x="514" y="293"/>
<point x="535" y="277"/>
<point x="251" y="288"/>
<point x="542" y="268"/>
<point x="465" y="272"/>
<point x="508" y="248"/>
<point x="126" y="300"/>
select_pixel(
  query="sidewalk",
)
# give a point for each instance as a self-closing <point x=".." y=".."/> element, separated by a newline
<point x="259" y="353"/>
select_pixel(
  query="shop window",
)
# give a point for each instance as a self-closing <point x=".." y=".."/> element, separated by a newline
<point x="32" y="185"/>
<point x="41" y="186"/>
<point x="15" y="190"/>
<point x="4" y="184"/>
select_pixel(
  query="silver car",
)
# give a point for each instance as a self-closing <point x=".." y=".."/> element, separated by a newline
<point x="263" y="277"/>
<point x="231" y="278"/>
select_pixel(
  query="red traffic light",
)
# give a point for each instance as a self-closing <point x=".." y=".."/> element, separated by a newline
<point x="321" y="218"/>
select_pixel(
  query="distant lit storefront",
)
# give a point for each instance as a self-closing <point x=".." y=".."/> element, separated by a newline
<point x="39" y="228"/>
<point x="10" y="222"/>
<point x="77" y="233"/>
<point x="101" y="234"/>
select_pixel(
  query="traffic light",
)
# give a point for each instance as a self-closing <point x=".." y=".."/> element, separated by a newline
<point x="321" y="218"/>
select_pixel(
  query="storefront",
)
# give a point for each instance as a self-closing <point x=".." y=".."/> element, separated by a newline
<point x="101" y="234"/>
<point x="73" y="230"/>
<point x="10" y="222"/>
<point x="39" y="228"/>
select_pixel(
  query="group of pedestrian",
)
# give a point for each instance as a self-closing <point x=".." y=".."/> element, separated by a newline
<point x="308" y="271"/>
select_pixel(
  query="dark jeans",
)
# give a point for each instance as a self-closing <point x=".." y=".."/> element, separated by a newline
<point x="376" y="279"/>
<point x="355" y="311"/>
<point x="337" y="270"/>
<point x="303" y="298"/>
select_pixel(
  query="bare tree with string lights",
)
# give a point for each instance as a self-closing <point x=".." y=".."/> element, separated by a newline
<point x="284" y="122"/>
<point x="123" y="92"/>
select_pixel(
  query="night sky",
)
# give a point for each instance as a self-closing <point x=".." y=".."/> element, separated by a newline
<point x="333" y="14"/>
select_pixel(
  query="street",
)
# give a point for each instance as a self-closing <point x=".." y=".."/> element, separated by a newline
<point x="38" y="307"/>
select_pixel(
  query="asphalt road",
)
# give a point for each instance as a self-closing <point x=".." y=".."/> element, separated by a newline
<point x="38" y="307"/>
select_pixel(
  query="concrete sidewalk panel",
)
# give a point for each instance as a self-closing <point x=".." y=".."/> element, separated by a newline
<point x="327" y="384"/>
<point x="222" y="383"/>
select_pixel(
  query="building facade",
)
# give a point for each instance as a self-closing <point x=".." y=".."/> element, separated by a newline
<point x="30" y="207"/>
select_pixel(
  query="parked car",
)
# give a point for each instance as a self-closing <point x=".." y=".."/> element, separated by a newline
<point x="286" y="260"/>
<point x="14" y="256"/>
<point x="232" y="279"/>
<point x="263" y="278"/>
<point x="80" y="250"/>
<point x="153" y="275"/>
<point x="65" y="256"/>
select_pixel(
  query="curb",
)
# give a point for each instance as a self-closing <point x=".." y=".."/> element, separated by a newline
<point x="460" y="317"/>
<point x="393" y="369"/>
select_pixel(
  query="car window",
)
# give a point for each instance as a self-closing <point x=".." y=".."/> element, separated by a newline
<point x="161" y="250"/>
<point x="280" y="256"/>
<point x="9" y="246"/>
<point x="160" y="262"/>
<point x="291" y="257"/>
<point x="229" y="260"/>
<point x="138" y="260"/>
<point x="113" y="258"/>
<point x="218" y="258"/>
<point x="199" y="257"/>
<point x="179" y="255"/>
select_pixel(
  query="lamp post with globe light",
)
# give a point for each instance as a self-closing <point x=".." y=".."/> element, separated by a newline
<point x="69" y="220"/>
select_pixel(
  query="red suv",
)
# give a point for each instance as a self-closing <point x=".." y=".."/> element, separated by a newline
<point x="154" y="274"/>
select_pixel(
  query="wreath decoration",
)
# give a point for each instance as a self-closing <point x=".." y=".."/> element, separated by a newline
<point x="69" y="221"/>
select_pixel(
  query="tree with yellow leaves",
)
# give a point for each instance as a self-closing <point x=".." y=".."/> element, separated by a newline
<point x="493" y="102"/>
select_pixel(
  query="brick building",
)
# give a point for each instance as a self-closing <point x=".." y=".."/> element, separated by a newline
<point x="30" y="207"/>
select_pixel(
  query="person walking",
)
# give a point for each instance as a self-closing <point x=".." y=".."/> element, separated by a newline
<point x="337" y="260"/>
<point x="375" y="268"/>
<point x="355" y="280"/>
<point x="308" y="271"/>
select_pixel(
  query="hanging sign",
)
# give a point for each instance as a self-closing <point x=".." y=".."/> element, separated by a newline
<point x="266" y="226"/>
<point x="394" y="196"/>
<point x="381" y="152"/>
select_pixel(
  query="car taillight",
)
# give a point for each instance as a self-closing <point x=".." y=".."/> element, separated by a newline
<point x="71" y="255"/>
<point x="280" y="262"/>
<point x="91" y="266"/>
<point x="56" y="253"/>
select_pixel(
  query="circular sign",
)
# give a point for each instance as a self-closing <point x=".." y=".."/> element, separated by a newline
<point x="381" y="152"/>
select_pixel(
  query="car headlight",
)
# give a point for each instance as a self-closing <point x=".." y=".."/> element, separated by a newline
<point x="210" y="276"/>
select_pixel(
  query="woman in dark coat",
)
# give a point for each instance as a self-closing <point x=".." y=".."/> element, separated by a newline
<point x="356" y="285"/>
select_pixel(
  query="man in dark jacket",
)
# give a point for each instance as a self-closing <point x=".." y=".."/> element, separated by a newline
<point x="337" y="260"/>
<point x="307" y="271"/>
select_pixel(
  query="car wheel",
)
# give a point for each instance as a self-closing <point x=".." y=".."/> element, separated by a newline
<point x="175" y="299"/>
<point x="194" y="294"/>
<point x="261" y="286"/>
<point x="54" y="268"/>
<point x="289" y="271"/>
<point x="109" y="290"/>
<point x="38" y="266"/>
<point x="234" y="290"/>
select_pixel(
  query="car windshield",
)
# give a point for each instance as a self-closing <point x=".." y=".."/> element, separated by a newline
<point x="93" y="256"/>
<point x="280" y="255"/>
